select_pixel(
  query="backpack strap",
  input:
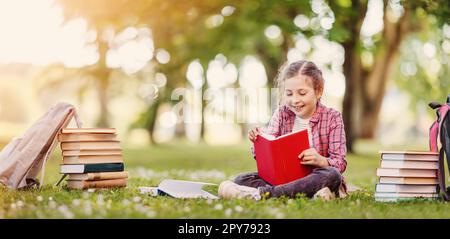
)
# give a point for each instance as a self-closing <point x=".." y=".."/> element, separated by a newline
<point x="441" y="175"/>
<point x="434" y="132"/>
<point x="443" y="112"/>
<point x="72" y="114"/>
<point x="434" y="129"/>
<point x="79" y="125"/>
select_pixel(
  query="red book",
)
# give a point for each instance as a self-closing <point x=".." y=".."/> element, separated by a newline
<point x="277" y="158"/>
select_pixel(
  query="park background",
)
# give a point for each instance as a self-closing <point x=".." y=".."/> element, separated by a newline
<point x="183" y="81"/>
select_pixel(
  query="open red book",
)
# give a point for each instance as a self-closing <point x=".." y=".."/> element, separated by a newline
<point x="277" y="158"/>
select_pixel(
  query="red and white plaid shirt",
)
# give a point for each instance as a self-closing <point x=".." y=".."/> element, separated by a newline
<point x="328" y="135"/>
<point x="327" y="128"/>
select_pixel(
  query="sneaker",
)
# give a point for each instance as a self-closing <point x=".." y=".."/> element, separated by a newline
<point x="325" y="194"/>
<point x="230" y="190"/>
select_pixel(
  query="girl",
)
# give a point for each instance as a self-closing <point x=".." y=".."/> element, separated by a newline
<point x="301" y="86"/>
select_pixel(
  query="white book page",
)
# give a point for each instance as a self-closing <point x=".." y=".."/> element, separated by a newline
<point x="285" y="135"/>
<point x="185" y="189"/>
<point x="271" y="137"/>
<point x="267" y="136"/>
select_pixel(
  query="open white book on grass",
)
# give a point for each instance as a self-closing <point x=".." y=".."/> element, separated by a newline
<point x="179" y="189"/>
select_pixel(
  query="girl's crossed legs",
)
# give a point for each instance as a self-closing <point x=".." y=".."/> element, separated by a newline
<point x="309" y="185"/>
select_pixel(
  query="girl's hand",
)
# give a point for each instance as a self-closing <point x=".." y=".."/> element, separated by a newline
<point x="253" y="133"/>
<point x="311" y="157"/>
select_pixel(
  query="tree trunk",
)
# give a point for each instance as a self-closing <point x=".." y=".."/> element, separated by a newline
<point x="354" y="74"/>
<point x="204" y="88"/>
<point x="373" y="94"/>
<point x="153" y="113"/>
<point x="365" y="89"/>
<point x="384" y="65"/>
<point x="180" y="127"/>
<point x="352" y="103"/>
<point x="102" y="89"/>
<point x="102" y="73"/>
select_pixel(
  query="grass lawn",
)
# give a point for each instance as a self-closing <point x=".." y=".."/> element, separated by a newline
<point x="199" y="162"/>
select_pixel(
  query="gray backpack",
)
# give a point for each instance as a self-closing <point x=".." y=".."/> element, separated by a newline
<point x="23" y="158"/>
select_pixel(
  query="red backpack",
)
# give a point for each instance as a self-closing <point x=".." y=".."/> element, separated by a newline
<point x="440" y="129"/>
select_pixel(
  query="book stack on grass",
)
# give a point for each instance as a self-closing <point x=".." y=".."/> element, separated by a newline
<point x="92" y="158"/>
<point x="406" y="175"/>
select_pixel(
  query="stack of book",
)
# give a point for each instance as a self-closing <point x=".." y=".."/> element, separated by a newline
<point x="92" y="158"/>
<point x="406" y="175"/>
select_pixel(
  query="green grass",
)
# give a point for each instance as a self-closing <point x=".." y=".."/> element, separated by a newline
<point x="199" y="162"/>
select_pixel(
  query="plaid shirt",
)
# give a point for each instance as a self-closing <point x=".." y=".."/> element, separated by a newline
<point x="327" y="130"/>
<point x="328" y="135"/>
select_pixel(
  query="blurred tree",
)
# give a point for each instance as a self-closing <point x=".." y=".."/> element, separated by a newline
<point x="59" y="79"/>
<point x="243" y="33"/>
<point x="202" y="29"/>
<point x="425" y="65"/>
<point x="173" y="24"/>
<point x="237" y="29"/>
<point x="101" y="16"/>
<point x="179" y="28"/>
<point x="366" y="83"/>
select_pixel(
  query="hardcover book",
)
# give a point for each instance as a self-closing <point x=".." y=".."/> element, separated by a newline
<point x="396" y="172"/>
<point x="410" y="155"/>
<point x="91" y="152"/>
<point x="83" y="184"/>
<point x="277" y="158"/>
<point x="97" y="145"/>
<point x="86" y="137"/>
<point x="406" y="195"/>
<point x="399" y="199"/>
<point x="403" y="164"/>
<point x="402" y="188"/>
<point x="98" y="176"/>
<point x="92" y="159"/>
<point x="91" y="168"/>
<point x="88" y="130"/>
<point x="408" y="180"/>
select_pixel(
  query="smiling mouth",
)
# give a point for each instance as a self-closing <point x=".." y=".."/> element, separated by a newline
<point x="297" y="108"/>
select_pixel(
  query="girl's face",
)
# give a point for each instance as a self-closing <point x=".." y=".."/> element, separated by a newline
<point x="300" y="96"/>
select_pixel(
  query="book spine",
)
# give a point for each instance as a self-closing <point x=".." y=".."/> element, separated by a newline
<point x="278" y="164"/>
<point x="91" y="160"/>
<point x="106" y="183"/>
<point x="408" y="164"/>
<point x="104" y="176"/>
<point x="85" y="139"/>
<point x="83" y="145"/>
<point x="401" y="195"/>
<point x="89" y="131"/>
<point x="108" y="152"/>
<point x="408" y="180"/>
<point x="399" y="199"/>
<point x="392" y="188"/>
<point x="421" y="173"/>
<point x="103" y="167"/>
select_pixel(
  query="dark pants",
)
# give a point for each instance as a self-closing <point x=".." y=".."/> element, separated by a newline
<point x="309" y="185"/>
